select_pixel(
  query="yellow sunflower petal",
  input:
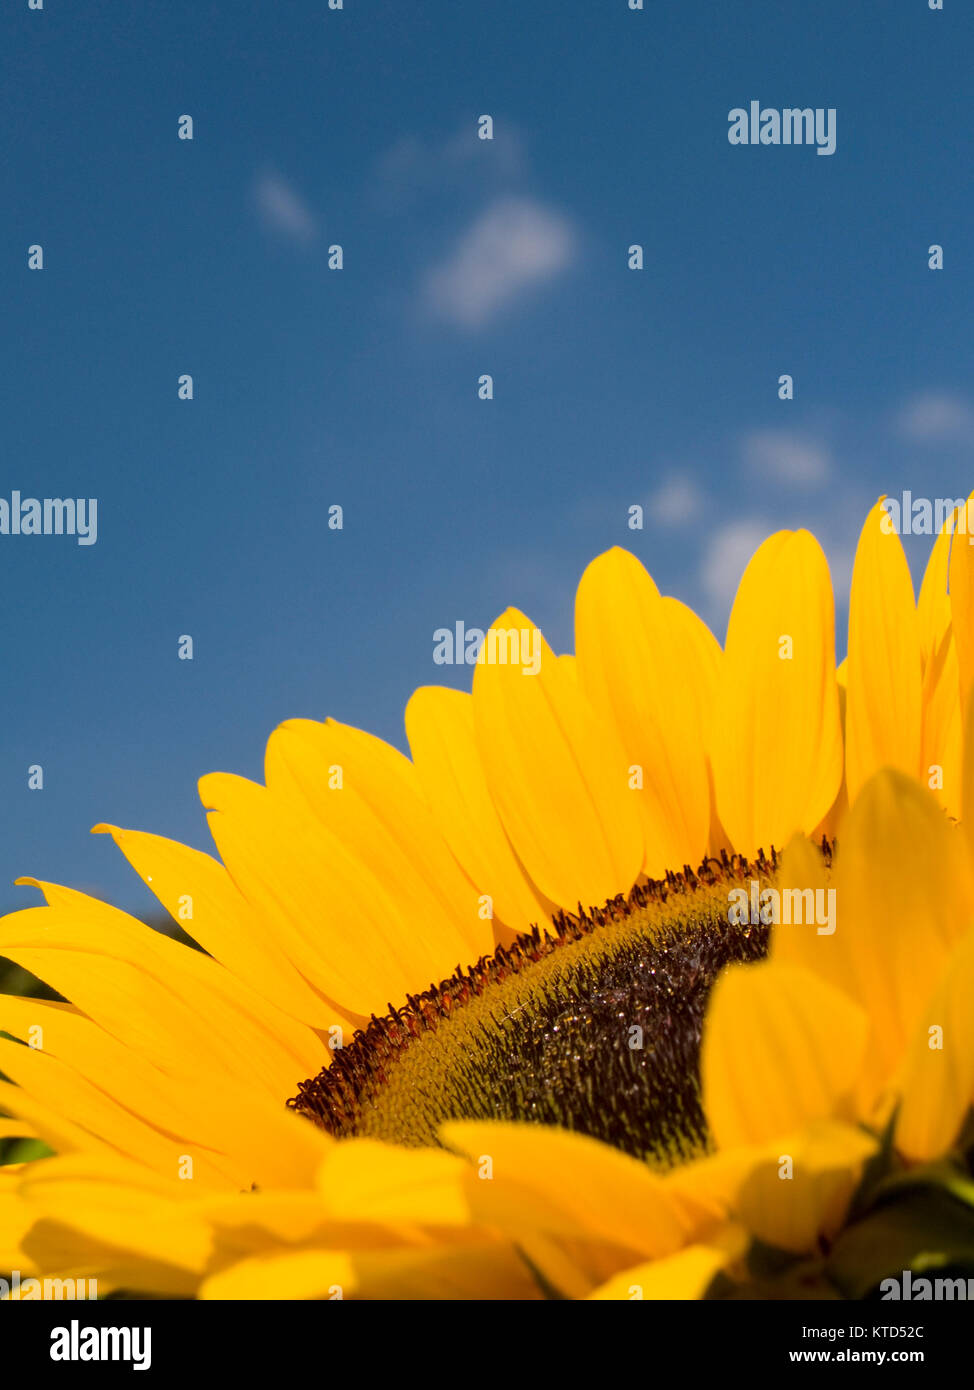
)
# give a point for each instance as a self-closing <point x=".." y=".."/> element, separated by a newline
<point x="16" y="1219"/>
<point x="153" y="1116"/>
<point x="47" y="1122"/>
<point x="649" y="666"/>
<point x="248" y="1224"/>
<point x="904" y="895"/>
<point x="538" y="1178"/>
<point x="382" y="818"/>
<point x="484" y="1272"/>
<point x="803" y="872"/>
<point x="340" y="923"/>
<point x="686" y="1275"/>
<point x="942" y="745"/>
<point x="16" y="1129"/>
<point x="780" y="1048"/>
<point x="936" y="1082"/>
<point x="175" y="1006"/>
<point x="557" y="775"/>
<point x="961" y="576"/>
<point x="288" y="1275"/>
<point x="105" y="1216"/>
<point x="777" y="746"/>
<point x="71" y="1096"/>
<point x="366" y="1180"/>
<point x="933" y="605"/>
<point x="199" y="893"/>
<point x="799" y="1187"/>
<point x="709" y="1185"/>
<point x="443" y="742"/>
<point x="883" y="683"/>
<point x="967" y="769"/>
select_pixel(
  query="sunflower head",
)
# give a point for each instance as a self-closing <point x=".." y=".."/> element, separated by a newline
<point x="593" y="1025"/>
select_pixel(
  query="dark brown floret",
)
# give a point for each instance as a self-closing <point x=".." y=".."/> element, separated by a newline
<point x="593" y="1023"/>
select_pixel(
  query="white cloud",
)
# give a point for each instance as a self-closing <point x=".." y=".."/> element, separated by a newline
<point x="513" y="245"/>
<point x="726" y="557"/>
<point x="282" y="210"/>
<point x="783" y="457"/>
<point x="936" y="417"/>
<point x="676" y="501"/>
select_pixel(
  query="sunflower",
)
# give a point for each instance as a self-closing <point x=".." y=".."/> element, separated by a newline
<point x="482" y="1023"/>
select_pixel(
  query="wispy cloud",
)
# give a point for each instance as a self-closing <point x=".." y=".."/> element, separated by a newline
<point x="937" y="417"/>
<point x="414" y="167"/>
<point x="676" y="501"/>
<point x="282" y="210"/>
<point x="511" y="247"/>
<point x="787" y="458"/>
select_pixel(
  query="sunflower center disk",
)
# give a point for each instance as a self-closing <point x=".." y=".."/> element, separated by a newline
<point x="594" y="1026"/>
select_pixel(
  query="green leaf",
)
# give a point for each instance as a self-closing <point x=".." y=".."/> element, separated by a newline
<point x="925" y="1228"/>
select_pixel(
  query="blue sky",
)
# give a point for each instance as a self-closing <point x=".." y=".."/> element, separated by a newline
<point x="359" y="387"/>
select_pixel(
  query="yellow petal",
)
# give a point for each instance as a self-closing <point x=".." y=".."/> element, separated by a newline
<point x="16" y="1129"/>
<point x="942" y="745"/>
<point x="47" y="1121"/>
<point x="557" y="775"/>
<point x="780" y="1048"/>
<point x="883" y="683"/>
<point x="16" y="1219"/>
<point x="967" y="769"/>
<point x="71" y="1096"/>
<point x="105" y="1217"/>
<point x="171" y="1004"/>
<point x="442" y="739"/>
<point x="937" y="1080"/>
<point x="709" y="1185"/>
<point x="482" y="1272"/>
<point x="686" y="1275"/>
<point x="364" y="1180"/>
<point x="800" y="1187"/>
<point x="933" y="605"/>
<point x="803" y="871"/>
<point x="961" y="571"/>
<point x="382" y="818"/>
<point x="777" y="747"/>
<point x="650" y="667"/>
<point x="113" y="1091"/>
<point x="942" y="707"/>
<point x="199" y="893"/>
<point x="538" y="1178"/>
<point x="904" y="895"/>
<point x="246" y="1224"/>
<point x="339" y="922"/>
